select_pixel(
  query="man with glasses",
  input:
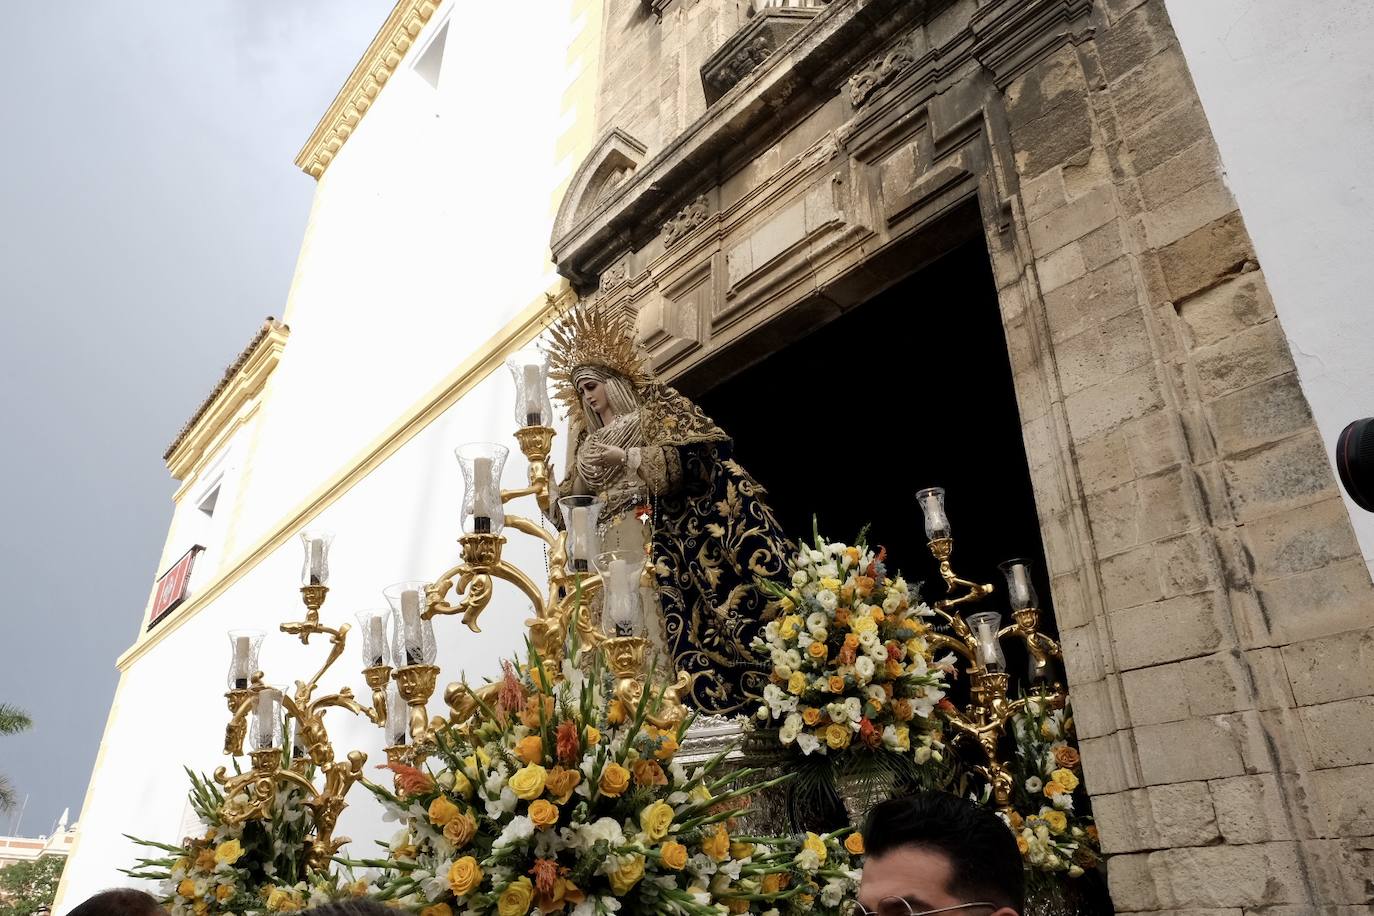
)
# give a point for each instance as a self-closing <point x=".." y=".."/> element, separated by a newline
<point x="938" y="853"/>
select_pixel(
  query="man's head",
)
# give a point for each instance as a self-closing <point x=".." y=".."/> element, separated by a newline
<point x="933" y="850"/>
<point x="122" y="901"/>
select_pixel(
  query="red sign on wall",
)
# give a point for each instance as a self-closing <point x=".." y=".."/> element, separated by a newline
<point x="171" y="588"/>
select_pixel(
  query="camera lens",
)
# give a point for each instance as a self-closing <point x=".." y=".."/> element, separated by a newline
<point x="1355" y="461"/>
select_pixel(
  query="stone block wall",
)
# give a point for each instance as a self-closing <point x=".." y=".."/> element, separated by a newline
<point x="1217" y="619"/>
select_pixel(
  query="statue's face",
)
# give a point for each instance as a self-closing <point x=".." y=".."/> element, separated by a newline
<point x="594" y="394"/>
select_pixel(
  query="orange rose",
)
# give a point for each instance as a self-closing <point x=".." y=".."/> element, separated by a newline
<point x="615" y="779"/>
<point x="894" y="668"/>
<point x="543" y="813"/>
<point x="529" y="716"/>
<point x="648" y="773"/>
<point x="530" y="749"/>
<point x="864" y="584"/>
<point x="667" y="747"/>
<point x="854" y="843"/>
<point x="673" y="855"/>
<point x="717" y="844"/>
<point x="836" y="684"/>
<point x="851" y="641"/>
<point x="1016" y="820"/>
<point x="842" y="617"/>
<point x="560" y="784"/>
<point x="817" y="651"/>
<point x="616" y="714"/>
<point x="1066" y="757"/>
<point x="811" y="716"/>
<point x="878" y="615"/>
<point x="1053" y="788"/>
<point x="737" y="904"/>
<point x="774" y="882"/>
<point x="460" y="830"/>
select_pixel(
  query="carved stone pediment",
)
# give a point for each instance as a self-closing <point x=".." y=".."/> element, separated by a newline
<point x="606" y="169"/>
<point x="751" y="46"/>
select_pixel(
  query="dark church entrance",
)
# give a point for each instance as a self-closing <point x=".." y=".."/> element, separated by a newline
<point x="908" y="390"/>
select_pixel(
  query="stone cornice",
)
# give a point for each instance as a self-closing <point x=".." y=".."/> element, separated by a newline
<point x="359" y="91"/>
<point x="243" y="380"/>
<point x="794" y="78"/>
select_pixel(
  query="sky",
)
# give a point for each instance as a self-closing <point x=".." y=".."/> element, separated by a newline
<point x="150" y="217"/>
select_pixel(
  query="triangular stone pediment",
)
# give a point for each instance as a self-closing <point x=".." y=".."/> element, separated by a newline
<point x="610" y="163"/>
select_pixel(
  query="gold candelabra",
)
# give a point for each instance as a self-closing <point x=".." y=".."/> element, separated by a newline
<point x="985" y="719"/>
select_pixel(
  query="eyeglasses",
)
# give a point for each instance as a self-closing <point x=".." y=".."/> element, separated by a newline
<point x="896" y="906"/>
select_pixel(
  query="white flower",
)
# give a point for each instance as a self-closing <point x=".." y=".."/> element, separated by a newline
<point x="799" y="579"/>
<point x="1063" y="801"/>
<point x="808" y="743"/>
<point x="892" y="601"/>
<point x="808" y="861"/>
<point x="827" y="599"/>
<point x="503" y="804"/>
<point x="1034" y="784"/>
<point x="922" y="754"/>
<point x="790" y="729"/>
<point x="794" y="659"/>
<point x="836" y="548"/>
<point x="828" y="571"/>
<point x="854" y="708"/>
<point x="837" y="711"/>
<point x="863" y="669"/>
<point x="770" y="631"/>
<point x="606" y="828"/>
<point x="868" y="639"/>
<point x="815" y="621"/>
<point x="519" y="828"/>
<point x="832" y="895"/>
<point x="815" y="556"/>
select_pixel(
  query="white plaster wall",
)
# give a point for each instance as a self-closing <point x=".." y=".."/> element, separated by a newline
<point x="429" y="233"/>
<point x="1289" y="91"/>
<point x="399" y="522"/>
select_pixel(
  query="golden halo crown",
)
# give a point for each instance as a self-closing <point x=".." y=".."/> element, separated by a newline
<point x="592" y="335"/>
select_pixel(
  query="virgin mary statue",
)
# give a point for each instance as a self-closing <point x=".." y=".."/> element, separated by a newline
<point x="669" y="486"/>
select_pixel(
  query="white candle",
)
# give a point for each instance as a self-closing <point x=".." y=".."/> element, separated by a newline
<point x="410" y="623"/>
<point x="317" y="561"/>
<point x="619" y="601"/>
<point x="987" y="645"/>
<point x="397" y="717"/>
<point x="267" y="716"/>
<point x="242" y="645"/>
<point x="1020" y="587"/>
<point x="578" y="536"/>
<point x="376" y="639"/>
<point x="481" y="495"/>
<point x="534" y="396"/>
<point x="937" y="524"/>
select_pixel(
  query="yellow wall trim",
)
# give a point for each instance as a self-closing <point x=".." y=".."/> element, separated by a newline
<point x="244" y="381"/>
<point x="360" y="90"/>
<point x="519" y="332"/>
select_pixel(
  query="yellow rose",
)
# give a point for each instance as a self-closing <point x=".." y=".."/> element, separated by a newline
<point x="864" y="623"/>
<point x="837" y="736"/>
<point x="796" y="683"/>
<point x="460" y="830"/>
<point x="464" y="876"/>
<point x="1057" y="821"/>
<point x="441" y="811"/>
<point x="282" y="901"/>
<point x="628" y="875"/>
<point x="206" y="860"/>
<point x="673" y="855"/>
<point x="530" y="749"/>
<point x="830" y="584"/>
<point x="593" y="735"/>
<point x="461" y="784"/>
<point x="666" y="747"/>
<point x="436" y="909"/>
<point x="616" y="714"/>
<point x="516" y="898"/>
<point x="201" y="907"/>
<point x="228" y="852"/>
<point x="224" y="892"/>
<point x="805" y="901"/>
<point x="854" y="844"/>
<point x="817" y="651"/>
<point x="1052" y="789"/>
<point x="1066" y="779"/>
<point x="615" y="779"/>
<point x="655" y="820"/>
<point x="528" y="781"/>
<point x="741" y="850"/>
<point x="187" y="888"/>
<point x="1022" y="844"/>
<point x="561" y="782"/>
<point x="544" y="813"/>
<point x="717" y="844"/>
<point x="816" y="845"/>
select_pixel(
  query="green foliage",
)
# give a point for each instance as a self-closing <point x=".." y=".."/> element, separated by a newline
<point x="12" y="721"/>
<point x="25" y="886"/>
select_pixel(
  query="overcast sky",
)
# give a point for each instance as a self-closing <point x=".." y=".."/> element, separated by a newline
<point x="151" y="218"/>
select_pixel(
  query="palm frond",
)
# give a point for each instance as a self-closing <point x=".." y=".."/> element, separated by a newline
<point x="13" y="719"/>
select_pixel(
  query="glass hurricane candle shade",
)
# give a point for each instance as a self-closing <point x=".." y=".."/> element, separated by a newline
<point x="529" y="369"/>
<point x="266" y="724"/>
<point x="580" y="516"/>
<point x="622" y="613"/>
<point x="372" y="626"/>
<point x="243" y="656"/>
<point x="985" y="626"/>
<point x="315" y="568"/>
<point x="1020" y="589"/>
<point x="412" y="639"/>
<point x="932" y="502"/>
<point x="482" y="464"/>
<point x="397" y="717"/>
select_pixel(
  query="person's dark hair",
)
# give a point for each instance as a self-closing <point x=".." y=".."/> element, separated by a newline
<point x="362" y="906"/>
<point x="121" y="901"/>
<point x="985" y="863"/>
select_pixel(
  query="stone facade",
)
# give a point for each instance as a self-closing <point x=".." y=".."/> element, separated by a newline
<point x="1217" y="619"/>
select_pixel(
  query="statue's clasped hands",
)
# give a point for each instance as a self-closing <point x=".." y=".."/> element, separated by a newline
<point x="606" y="456"/>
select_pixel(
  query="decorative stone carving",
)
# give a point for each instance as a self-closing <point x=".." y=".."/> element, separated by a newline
<point x="880" y="71"/>
<point x="687" y="219"/>
<point x="613" y="276"/>
<point x="767" y="31"/>
<point x="608" y="166"/>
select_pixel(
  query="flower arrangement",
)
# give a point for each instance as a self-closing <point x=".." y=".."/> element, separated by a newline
<point x="1052" y="836"/>
<point x="241" y="868"/>
<point x="563" y="800"/>
<point x="851" y="668"/>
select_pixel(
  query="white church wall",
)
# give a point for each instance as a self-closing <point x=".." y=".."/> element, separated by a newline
<point x="1289" y="93"/>
<point x="399" y="522"/>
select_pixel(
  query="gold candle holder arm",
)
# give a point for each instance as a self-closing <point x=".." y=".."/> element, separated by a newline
<point x="377" y="677"/>
<point x="240" y="705"/>
<point x="941" y="548"/>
